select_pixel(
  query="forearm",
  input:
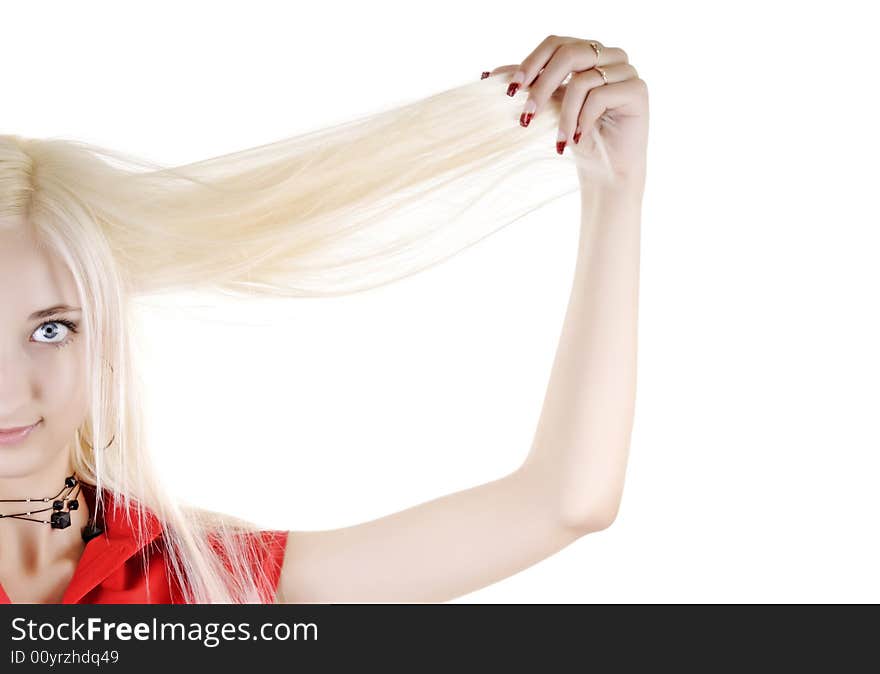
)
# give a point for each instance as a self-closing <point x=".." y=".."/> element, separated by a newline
<point x="580" y="448"/>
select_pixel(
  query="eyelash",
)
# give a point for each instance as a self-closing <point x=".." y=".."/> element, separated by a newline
<point x="70" y="325"/>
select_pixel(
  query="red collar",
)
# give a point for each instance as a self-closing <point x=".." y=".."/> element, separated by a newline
<point x="109" y="550"/>
<point x="112" y="517"/>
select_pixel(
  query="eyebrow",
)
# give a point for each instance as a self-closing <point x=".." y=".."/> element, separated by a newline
<point x="51" y="311"/>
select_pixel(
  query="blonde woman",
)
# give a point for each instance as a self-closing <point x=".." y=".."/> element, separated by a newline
<point x="84" y="230"/>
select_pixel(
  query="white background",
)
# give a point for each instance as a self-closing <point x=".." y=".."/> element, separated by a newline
<point x="753" y="472"/>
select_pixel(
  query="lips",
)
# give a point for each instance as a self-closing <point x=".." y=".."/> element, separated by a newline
<point x="17" y="429"/>
<point x="10" y="436"/>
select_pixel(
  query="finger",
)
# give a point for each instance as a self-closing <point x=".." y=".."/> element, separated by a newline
<point x="529" y="69"/>
<point x="568" y="58"/>
<point x="576" y="92"/>
<point x="615" y="96"/>
<point x="500" y="70"/>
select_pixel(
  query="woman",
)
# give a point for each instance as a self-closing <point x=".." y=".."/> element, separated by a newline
<point x="83" y="230"/>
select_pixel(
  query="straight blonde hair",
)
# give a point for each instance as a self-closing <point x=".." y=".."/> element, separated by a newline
<point x="335" y="211"/>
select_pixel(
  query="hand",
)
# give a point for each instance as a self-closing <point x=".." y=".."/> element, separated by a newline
<point x="617" y="110"/>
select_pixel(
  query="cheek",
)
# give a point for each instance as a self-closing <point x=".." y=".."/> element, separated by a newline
<point x="64" y="388"/>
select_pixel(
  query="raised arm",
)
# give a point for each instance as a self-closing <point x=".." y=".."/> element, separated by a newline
<point x="569" y="485"/>
<point x="571" y="482"/>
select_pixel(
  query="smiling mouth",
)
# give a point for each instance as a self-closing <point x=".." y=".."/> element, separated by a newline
<point x="8" y="435"/>
<point x="17" y="429"/>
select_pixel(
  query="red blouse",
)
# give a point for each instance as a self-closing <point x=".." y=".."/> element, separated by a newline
<point x="111" y="569"/>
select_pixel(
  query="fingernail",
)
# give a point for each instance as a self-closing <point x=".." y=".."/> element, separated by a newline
<point x="515" y="82"/>
<point x="528" y="112"/>
<point x="560" y="142"/>
<point x="577" y="135"/>
<point x="485" y="74"/>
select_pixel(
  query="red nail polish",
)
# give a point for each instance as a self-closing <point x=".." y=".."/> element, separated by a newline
<point x="577" y="136"/>
<point x="511" y="90"/>
<point x="560" y="146"/>
<point x="485" y="74"/>
<point x="525" y="118"/>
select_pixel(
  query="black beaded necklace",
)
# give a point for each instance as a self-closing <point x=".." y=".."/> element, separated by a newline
<point x="60" y="518"/>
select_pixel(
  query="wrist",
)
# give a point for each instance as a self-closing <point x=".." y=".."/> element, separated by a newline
<point x="614" y="198"/>
<point x="630" y="185"/>
<point x="612" y="207"/>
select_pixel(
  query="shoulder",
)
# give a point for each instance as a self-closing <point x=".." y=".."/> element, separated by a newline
<point x="274" y="544"/>
<point x="271" y="546"/>
<point x="263" y="551"/>
<point x="264" y="544"/>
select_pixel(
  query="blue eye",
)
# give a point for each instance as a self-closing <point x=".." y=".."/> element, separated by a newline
<point x="50" y="329"/>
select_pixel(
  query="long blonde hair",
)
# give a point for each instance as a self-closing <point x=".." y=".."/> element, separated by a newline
<point x="330" y="212"/>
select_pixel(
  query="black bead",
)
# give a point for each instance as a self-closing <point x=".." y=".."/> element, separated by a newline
<point x="90" y="531"/>
<point x="70" y="482"/>
<point x="73" y="504"/>
<point x="58" y="505"/>
<point x="60" y="520"/>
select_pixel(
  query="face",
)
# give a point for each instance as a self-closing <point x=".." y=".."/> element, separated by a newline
<point x="42" y="373"/>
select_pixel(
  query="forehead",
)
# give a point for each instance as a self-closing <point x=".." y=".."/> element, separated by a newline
<point x="31" y="277"/>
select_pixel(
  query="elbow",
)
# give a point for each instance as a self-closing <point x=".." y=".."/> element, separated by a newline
<point x="590" y="519"/>
<point x="582" y="510"/>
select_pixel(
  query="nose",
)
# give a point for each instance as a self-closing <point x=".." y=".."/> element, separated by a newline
<point x="17" y="390"/>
